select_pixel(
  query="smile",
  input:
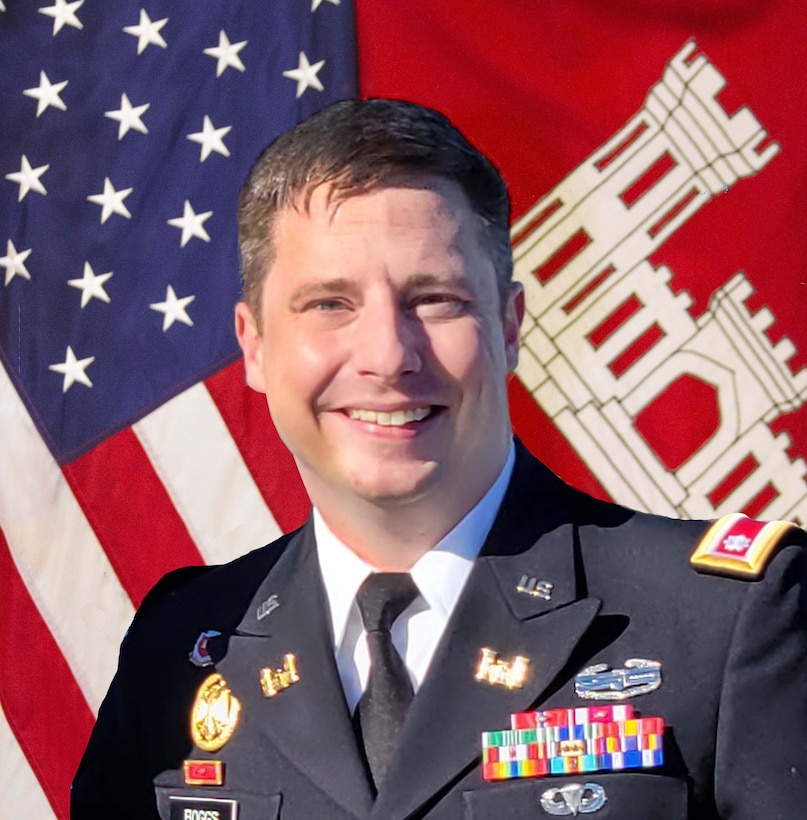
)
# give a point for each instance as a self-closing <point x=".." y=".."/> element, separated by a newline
<point x="396" y="418"/>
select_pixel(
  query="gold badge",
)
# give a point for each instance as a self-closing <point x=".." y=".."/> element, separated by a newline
<point x="214" y="715"/>
<point x="501" y="673"/>
<point x="275" y="680"/>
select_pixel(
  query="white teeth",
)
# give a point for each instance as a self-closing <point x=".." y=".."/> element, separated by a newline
<point x="395" y="419"/>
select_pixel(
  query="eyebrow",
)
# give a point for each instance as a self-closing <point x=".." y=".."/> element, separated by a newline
<point x="321" y="288"/>
<point x="447" y="280"/>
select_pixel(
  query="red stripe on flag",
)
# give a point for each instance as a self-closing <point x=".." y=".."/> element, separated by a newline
<point x="604" y="162"/>
<point x="614" y="321"/>
<point x="733" y="480"/>
<point x="756" y="506"/>
<point x="126" y="504"/>
<point x="562" y="256"/>
<point x="245" y="413"/>
<point x="536" y="221"/>
<point x="585" y="292"/>
<point x="682" y="203"/>
<point x="40" y="697"/>
<point x="651" y="337"/>
<point x="543" y="439"/>
<point x="660" y="168"/>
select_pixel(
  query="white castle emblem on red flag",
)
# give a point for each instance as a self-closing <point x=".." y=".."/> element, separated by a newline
<point x="605" y="337"/>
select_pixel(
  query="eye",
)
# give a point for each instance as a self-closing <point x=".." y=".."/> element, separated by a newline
<point x="326" y="305"/>
<point x="439" y="305"/>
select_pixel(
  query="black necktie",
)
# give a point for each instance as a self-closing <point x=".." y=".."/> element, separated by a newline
<point x="381" y="710"/>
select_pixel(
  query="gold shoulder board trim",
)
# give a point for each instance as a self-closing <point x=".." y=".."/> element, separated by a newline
<point x="739" y="546"/>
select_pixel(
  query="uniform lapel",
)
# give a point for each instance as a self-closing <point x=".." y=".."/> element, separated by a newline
<point x="309" y="722"/>
<point x="532" y="536"/>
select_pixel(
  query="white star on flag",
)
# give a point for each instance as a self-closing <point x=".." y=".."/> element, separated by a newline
<point x="73" y="370"/>
<point x="227" y="54"/>
<point x="315" y="4"/>
<point x="14" y="262"/>
<point x="128" y="117"/>
<point x="111" y="201"/>
<point x="173" y="309"/>
<point x="305" y="74"/>
<point x="2" y="6"/>
<point x="91" y="285"/>
<point x="147" y="32"/>
<point x="47" y="94"/>
<point x="192" y="224"/>
<point x="28" y="178"/>
<point x="211" y="139"/>
<point x="63" y="14"/>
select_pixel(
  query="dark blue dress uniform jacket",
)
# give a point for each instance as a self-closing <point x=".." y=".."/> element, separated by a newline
<point x="733" y="694"/>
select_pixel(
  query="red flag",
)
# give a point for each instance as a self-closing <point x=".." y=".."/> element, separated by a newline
<point x="656" y="158"/>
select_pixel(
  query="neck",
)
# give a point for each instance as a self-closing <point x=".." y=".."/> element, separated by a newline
<point x="392" y="537"/>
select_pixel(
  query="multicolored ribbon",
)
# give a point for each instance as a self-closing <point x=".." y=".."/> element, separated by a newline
<point x="571" y="741"/>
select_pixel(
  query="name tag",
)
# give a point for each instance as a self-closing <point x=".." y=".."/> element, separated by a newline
<point x="203" y="808"/>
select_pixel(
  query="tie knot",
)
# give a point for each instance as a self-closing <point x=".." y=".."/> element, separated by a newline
<point x="383" y="597"/>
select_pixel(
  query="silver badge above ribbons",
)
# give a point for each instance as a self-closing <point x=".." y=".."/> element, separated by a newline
<point x="600" y="682"/>
<point x="573" y="799"/>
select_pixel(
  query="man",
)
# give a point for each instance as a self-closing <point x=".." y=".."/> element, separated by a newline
<point x="446" y="580"/>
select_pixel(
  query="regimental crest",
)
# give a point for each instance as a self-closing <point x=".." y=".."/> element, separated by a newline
<point x="199" y="655"/>
<point x="497" y="672"/>
<point x="215" y="714"/>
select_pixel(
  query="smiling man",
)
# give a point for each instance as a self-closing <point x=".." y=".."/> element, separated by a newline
<point x="447" y="587"/>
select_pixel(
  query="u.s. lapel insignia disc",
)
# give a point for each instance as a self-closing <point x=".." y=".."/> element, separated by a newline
<point x="535" y="588"/>
<point x="214" y="715"/>
<point x="600" y="682"/>
<point x="497" y="672"/>
<point x="275" y="680"/>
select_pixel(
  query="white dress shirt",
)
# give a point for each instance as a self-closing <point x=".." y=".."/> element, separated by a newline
<point x="440" y="576"/>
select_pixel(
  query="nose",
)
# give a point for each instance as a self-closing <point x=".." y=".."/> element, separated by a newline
<point x="387" y="341"/>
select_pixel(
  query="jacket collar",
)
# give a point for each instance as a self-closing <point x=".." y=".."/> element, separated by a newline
<point x="533" y="536"/>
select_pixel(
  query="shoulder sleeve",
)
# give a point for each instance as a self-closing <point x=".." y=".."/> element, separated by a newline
<point x="113" y="779"/>
<point x="741" y="547"/>
<point x="761" y="739"/>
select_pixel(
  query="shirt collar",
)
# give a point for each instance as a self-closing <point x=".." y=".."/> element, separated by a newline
<point x="440" y="574"/>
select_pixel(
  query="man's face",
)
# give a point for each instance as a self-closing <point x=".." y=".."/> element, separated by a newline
<point x="384" y="349"/>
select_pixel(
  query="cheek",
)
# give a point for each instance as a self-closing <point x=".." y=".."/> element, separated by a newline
<point x="299" y="368"/>
<point x="472" y="355"/>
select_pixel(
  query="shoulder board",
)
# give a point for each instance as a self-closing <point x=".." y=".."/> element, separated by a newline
<point x="739" y="546"/>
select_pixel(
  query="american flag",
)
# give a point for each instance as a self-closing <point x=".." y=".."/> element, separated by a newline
<point x="128" y="442"/>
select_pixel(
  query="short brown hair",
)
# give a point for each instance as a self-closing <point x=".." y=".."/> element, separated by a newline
<point x="356" y="145"/>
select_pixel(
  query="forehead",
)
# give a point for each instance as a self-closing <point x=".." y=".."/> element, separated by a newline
<point x="422" y="208"/>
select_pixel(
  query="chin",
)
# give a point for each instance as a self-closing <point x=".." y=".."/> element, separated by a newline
<point x="392" y="485"/>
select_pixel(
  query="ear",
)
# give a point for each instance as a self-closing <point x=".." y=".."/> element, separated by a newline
<point x="251" y="343"/>
<point x="512" y="318"/>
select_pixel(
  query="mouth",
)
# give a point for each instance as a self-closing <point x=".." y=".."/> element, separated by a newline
<point x="393" y="418"/>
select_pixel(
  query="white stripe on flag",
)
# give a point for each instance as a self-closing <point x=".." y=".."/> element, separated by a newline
<point x="57" y="554"/>
<point x="194" y="454"/>
<point x="21" y="793"/>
